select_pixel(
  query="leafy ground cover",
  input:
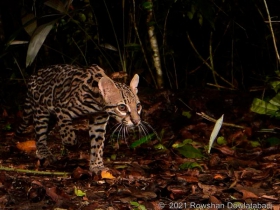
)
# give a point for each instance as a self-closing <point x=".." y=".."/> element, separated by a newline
<point x="170" y="171"/>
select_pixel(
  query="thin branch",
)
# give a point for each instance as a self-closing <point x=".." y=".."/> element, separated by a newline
<point x="206" y="63"/>
<point x="21" y="72"/>
<point x="164" y="46"/>
<point x="220" y="86"/>
<point x="116" y="38"/>
<point x="2" y="168"/>
<point x="205" y="116"/>
<point x="80" y="50"/>
<point x="211" y="58"/>
<point x="272" y="33"/>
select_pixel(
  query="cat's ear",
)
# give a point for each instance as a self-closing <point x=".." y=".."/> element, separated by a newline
<point x="134" y="84"/>
<point x="108" y="89"/>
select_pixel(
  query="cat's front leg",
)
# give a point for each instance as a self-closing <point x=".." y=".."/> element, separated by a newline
<point x="97" y="130"/>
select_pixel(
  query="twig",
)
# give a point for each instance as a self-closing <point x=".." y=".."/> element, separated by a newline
<point x="2" y="168"/>
<point x="185" y="104"/>
<point x="220" y="86"/>
<point x="206" y="63"/>
<point x="21" y="72"/>
<point x="211" y="59"/>
<point x="80" y="50"/>
<point x="272" y="33"/>
<point x="164" y="46"/>
<point x="116" y="38"/>
<point x="205" y="116"/>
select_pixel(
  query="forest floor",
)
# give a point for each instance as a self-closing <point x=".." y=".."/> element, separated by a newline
<point x="171" y="171"/>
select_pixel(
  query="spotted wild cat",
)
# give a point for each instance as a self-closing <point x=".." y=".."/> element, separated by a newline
<point x="69" y="92"/>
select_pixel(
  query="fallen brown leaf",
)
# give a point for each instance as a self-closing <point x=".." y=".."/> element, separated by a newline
<point x="177" y="189"/>
<point x="80" y="173"/>
<point x="189" y="179"/>
<point x="26" y="146"/>
<point x="249" y="192"/>
<point x="51" y="192"/>
<point x="107" y="175"/>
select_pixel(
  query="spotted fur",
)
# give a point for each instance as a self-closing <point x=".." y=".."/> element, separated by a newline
<point x="70" y="92"/>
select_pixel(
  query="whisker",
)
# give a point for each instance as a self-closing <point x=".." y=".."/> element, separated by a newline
<point x="120" y="130"/>
<point x="149" y="126"/>
<point x="124" y="130"/>
<point x="139" y="131"/>
<point x="117" y="127"/>
<point x="144" y="130"/>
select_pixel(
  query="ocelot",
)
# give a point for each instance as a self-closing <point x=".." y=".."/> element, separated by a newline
<point x="70" y="92"/>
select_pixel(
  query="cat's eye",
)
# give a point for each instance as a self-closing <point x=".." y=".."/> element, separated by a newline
<point x="138" y="106"/>
<point x="122" y="107"/>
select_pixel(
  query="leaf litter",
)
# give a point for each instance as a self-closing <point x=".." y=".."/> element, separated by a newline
<point x="173" y="170"/>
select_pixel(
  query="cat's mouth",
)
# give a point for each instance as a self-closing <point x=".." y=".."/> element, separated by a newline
<point x="122" y="129"/>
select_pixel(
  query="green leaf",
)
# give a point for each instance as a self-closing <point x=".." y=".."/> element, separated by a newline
<point x="142" y="207"/>
<point x="147" y="5"/>
<point x="78" y="192"/>
<point x="178" y="145"/>
<point x="190" y="15"/>
<point x="113" y="156"/>
<point x="277" y="72"/>
<point x="221" y="140"/>
<point x="261" y="107"/>
<point x="7" y="127"/>
<point x="186" y="141"/>
<point x="190" y="165"/>
<point x="187" y="114"/>
<point x="82" y="17"/>
<point x="134" y="203"/>
<point x="275" y="85"/>
<point x="142" y="140"/>
<point x="37" y="40"/>
<point x="273" y="141"/>
<point x="275" y="100"/>
<point x="161" y="133"/>
<point x="189" y="151"/>
<point x="160" y="147"/>
<point x="200" y="19"/>
<point x="138" y="205"/>
<point x="255" y="143"/>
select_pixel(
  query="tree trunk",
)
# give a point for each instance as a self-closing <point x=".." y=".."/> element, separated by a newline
<point x="154" y="46"/>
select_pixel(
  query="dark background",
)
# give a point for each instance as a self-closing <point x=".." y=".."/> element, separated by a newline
<point x="242" y="45"/>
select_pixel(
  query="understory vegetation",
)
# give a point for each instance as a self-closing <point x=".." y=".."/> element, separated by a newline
<point x="197" y="60"/>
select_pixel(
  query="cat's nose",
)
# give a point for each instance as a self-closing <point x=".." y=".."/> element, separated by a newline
<point x="136" y="122"/>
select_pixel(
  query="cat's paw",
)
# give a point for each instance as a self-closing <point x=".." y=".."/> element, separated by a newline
<point x="98" y="169"/>
<point x="46" y="160"/>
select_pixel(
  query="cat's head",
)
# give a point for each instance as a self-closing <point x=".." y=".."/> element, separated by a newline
<point x="121" y="101"/>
